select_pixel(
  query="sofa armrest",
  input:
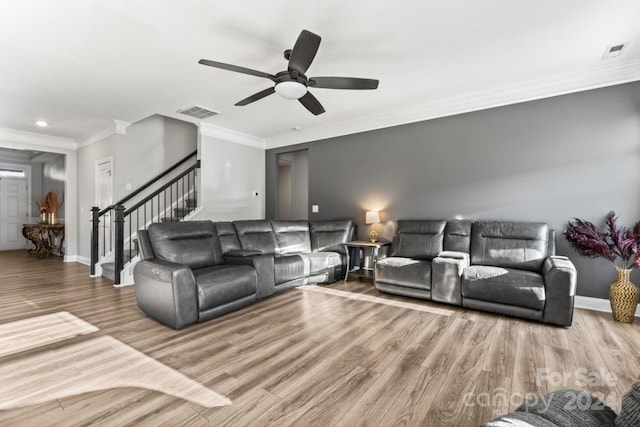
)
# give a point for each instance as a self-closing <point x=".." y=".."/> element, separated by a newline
<point x="262" y="263"/>
<point x="560" y="278"/>
<point x="167" y="292"/>
<point x="464" y="256"/>
<point x="446" y="278"/>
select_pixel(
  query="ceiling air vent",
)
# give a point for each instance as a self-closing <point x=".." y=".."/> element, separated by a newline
<point x="613" y="51"/>
<point x="197" y="112"/>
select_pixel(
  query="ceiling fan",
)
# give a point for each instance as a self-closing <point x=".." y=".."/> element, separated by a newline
<point x="293" y="83"/>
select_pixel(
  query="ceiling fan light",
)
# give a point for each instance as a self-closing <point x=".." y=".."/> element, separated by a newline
<point x="291" y="90"/>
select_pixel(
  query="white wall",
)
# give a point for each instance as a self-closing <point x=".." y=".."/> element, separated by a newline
<point x="53" y="179"/>
<point x="230" y="173"/>
<point x="87" y="157"/>
<point x="150" y="147"/>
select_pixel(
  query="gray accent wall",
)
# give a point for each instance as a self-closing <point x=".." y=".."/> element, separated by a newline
<point x="575" y="155"/>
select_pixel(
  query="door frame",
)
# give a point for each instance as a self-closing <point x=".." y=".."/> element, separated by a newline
<point x="96" y="178"/>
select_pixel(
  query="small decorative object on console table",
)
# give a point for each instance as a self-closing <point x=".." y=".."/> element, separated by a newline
<point x="372" y="217"/>
<point x="361" y="270"/>
<point x="49" y="206"/>
<point x="621" y="246"/>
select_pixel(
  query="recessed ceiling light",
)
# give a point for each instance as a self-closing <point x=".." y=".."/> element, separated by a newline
<point x="42" y="124"/>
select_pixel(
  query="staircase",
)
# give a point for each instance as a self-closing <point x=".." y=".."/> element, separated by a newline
<point x="109" y="268"/>
<point x="170" y="202"/>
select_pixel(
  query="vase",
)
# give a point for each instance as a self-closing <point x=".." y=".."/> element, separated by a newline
<point x="52" y="218"/>
<point x="623" y="296"/>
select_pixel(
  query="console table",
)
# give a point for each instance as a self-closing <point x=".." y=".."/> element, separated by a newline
<point x="372" y="254"/>
<point x="47" y="238"/>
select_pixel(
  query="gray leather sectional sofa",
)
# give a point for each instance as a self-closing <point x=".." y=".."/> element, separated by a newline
<point x="498" y="266"/>
<point x="194" y="271"/>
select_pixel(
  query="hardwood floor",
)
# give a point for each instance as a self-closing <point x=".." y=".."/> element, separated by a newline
<point x="341" y="355"/>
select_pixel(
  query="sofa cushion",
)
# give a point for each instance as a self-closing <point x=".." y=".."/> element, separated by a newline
<point x="256" y="235"/>
<point x="630" y="412"/>
<point x="520" y="419"/>
<point x="321" y="262"/>
<point x="222" y="284"/>
<point x="568" y="407"/>
<point x="420" y="239"/>
<point x="521" y="245"/>
<point x="289" y="267"/>
<point x="227" y="236"/>
<point x="457" y="236"/>
<point x="191" y="243"/>
<point x="328" y="235"/>
<point x="411" y="273"/>
<point x="504" y="285"/>
<point x="292" y="236"/>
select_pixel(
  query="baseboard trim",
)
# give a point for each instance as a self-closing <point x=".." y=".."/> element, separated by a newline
<point x="77" y="258"/>
<point x="123" y="285"/>
<point x="596" y="304"/>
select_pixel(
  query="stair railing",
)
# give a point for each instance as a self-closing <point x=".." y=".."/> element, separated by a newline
<point x="179" y="193"/>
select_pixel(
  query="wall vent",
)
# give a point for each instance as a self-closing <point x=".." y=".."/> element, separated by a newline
<point x="614" y="50"/>
<point x="197" y="112"/>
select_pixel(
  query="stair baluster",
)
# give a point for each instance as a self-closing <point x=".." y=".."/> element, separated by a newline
<point x="152" y="202"/>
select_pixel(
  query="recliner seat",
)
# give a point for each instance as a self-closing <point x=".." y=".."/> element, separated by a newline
<point x="503" y="267"/>
<point x="196" y="270"/>
<point x="185" y="280"/>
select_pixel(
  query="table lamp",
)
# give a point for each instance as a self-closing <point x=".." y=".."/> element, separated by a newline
<point x="372" y="217"/>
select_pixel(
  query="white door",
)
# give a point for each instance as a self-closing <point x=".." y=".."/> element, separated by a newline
<point x="104" y="198"/>
<point x="14" y="211"/>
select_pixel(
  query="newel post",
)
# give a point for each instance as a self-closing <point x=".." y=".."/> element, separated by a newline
<point x="119" y="242"/>
<point x="95" y="223"/>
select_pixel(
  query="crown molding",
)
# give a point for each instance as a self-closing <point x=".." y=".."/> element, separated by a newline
<point x="12" y="138"/>
<point x="497" y="97"/>
<point x="230" y="135"/>
<point x="103" y="131"/>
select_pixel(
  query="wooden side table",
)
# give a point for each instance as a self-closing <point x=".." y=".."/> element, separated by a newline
<point x="371" y="254"/>
<point x="44" y="237"/>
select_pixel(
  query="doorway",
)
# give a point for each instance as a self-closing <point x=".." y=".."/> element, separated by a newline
<point x="104" y="198"/>
<point x="14" y="206"/>
<point x="293" y="185"/>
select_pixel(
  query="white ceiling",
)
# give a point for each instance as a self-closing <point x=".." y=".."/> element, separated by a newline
<point x="79" y="64"/>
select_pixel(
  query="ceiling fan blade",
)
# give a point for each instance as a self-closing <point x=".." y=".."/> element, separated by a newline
<point x="343" y="83"/>
<point x="311" y="103"/>
<point x="238" y="69"/>
<point x="256" y="96"/>
<point x="304" y="51"/>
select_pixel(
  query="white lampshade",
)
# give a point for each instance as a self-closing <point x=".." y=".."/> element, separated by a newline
<point x="291" y="90"/>
<point x="372" y="217"/>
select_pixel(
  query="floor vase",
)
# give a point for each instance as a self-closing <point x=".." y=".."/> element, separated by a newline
<point x="623" y="296"/>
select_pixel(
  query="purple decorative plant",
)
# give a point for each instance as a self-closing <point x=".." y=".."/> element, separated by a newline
<point x="615" y="243"/>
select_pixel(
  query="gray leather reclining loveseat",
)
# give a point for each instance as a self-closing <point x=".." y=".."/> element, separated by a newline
<point x="194" y="271"/>
<point x="498" y="266"/>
